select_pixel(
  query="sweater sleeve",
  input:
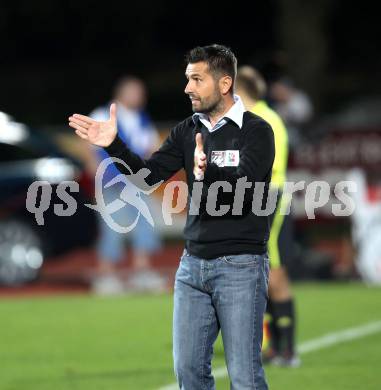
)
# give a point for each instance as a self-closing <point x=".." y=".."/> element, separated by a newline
<point x="162" y="164"/>
<point x="255" y="160"/>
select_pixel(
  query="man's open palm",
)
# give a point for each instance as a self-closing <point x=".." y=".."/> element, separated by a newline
<point x="97" y="132"/>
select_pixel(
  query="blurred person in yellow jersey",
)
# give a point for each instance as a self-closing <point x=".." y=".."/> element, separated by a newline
<point x="279" y="327"/>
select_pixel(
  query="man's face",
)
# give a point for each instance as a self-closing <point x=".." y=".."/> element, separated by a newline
<point x="202" y="88"/>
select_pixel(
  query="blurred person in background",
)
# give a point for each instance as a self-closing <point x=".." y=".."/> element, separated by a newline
<point x="251" y="87"/>
<point x="294" y="107"/>
<point x="138" y="132"/>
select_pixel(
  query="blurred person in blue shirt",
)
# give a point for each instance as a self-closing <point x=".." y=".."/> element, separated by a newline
<point x="138" y="132"/>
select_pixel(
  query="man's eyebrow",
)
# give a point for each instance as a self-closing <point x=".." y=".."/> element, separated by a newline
<point x="192" y="75"/>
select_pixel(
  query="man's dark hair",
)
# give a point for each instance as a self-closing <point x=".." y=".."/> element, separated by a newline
<point x="220" y="59"/>
<point x="252" y="82"/>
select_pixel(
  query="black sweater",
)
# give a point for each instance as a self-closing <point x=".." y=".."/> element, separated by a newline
<point x="214" y="236"/>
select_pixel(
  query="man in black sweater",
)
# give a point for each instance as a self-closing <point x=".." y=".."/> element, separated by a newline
<point x="222" y="278"/>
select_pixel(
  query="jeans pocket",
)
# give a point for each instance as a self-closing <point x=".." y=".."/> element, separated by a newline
<point x="242" y="260"/>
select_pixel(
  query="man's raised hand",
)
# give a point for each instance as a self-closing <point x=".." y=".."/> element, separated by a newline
<point x="97" y="132"/>
<point x="199" y="158"/>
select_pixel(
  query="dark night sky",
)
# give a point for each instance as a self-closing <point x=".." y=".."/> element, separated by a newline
<point x="63" y="56"/>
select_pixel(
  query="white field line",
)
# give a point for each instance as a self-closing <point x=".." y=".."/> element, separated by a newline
<point x="322" y="342"/>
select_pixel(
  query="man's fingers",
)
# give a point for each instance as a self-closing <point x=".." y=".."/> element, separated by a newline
<point x="202" y="160"/>
<point x="83" y="136"/>
<point x="78" y="127"/>
<point x="84" y="118"/>
<point x="202" y="164"/>
<point x="199" y="143"/>
<point x="200" y="156"/>
<point x="113" y="112"/>
<point x="198" y="174"/>
<point x="79" y="122"/>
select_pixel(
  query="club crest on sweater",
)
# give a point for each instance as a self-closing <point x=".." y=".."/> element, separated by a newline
<point x="225" y="158"/>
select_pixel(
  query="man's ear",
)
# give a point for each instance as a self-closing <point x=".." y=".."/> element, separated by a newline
<point x="225" y="84"/>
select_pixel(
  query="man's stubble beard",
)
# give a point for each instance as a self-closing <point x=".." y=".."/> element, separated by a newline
<point x="214" y="107"/>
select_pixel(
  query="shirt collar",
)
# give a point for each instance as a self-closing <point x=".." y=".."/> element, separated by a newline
<point x="235" y="114"/>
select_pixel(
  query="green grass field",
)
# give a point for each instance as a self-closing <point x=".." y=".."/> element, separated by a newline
<point x="89" y="343"/>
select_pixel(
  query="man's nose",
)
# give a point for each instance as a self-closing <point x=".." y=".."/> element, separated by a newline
<point x="187" y="89"/>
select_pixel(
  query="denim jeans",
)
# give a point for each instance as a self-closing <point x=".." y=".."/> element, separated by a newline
<point x="111" y="244"/>
<point x="227" y="293"/>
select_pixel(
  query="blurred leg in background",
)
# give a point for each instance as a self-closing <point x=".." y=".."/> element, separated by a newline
<point x="110" y="278"/>
<point x="280" y="319"/>
<point x="110" y="250"/>
<point x="144" y="241"/>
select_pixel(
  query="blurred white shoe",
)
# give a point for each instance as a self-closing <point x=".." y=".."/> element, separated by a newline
<point x="107" y="285"/>
<point x="147" y="281"/>
<point x="286" y="361"/>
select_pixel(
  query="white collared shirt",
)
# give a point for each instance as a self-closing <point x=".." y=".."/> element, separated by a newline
<point x="235" y="114"/>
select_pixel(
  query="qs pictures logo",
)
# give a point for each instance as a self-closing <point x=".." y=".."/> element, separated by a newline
<point x="134" y="186"/>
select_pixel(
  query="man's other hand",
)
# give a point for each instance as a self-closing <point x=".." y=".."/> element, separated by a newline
<point x="199" y="158"/>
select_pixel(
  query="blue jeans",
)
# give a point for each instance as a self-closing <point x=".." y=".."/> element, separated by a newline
<point x="227" y="293"/>
<point x="110" y="245"/>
